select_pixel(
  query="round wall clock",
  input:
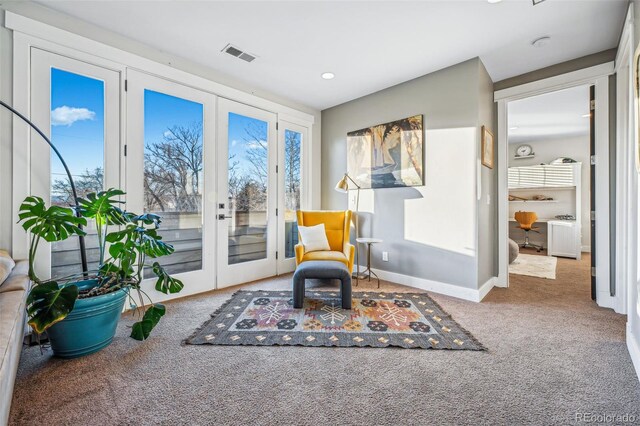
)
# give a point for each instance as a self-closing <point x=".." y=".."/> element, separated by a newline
<point x="524" y="151"/>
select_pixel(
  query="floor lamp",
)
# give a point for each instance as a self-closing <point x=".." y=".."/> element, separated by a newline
<point x="343" y="186"/>
<point x="83" y="251"/>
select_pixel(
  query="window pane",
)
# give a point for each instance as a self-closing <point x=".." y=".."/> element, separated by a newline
<point x="292" y="145"/>
<point x="77" y="130"/>
<point x="173" y="175"/>
<point x="248" y="166"/>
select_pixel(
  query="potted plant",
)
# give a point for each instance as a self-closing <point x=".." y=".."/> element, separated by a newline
<point x="80" y="313"/>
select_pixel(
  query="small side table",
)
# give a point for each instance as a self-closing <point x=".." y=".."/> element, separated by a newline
<point x="368" y="242"/>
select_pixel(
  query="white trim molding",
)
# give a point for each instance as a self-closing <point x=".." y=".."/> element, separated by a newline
<point x="599" y="77"/>
<point x="46" y="33"/>
<point x="453" y="290"/>
<point x="558" y="82"/>
<point x="634" y="349"/>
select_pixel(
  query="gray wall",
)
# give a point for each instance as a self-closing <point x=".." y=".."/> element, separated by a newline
<point x="430" y="232"/>
<point x="487" y="205"/>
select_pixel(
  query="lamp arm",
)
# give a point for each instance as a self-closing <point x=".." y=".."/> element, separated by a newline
<point x="353" y="181"/>
<point x="83" y="252"/>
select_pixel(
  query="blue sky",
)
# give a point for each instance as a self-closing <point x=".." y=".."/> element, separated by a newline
<point x="77" y="122"/>
<point x="237" y="135"/>
<point x="162" y="112"/>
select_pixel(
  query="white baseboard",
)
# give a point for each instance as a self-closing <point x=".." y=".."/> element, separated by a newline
<point x="634" y="350"/>
<point x="486" y="288"/>
<point x="585" y="249"/>
<point x="473" y="295"/>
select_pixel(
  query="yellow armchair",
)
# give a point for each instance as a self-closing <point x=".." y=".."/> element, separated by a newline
<point x="337" y="225"/>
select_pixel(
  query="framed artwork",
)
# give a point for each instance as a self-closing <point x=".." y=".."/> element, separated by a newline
<point x="487" y="148"/>
<point x="387" y="155"/>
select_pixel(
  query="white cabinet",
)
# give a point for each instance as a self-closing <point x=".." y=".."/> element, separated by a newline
<point x="563" y="238"/>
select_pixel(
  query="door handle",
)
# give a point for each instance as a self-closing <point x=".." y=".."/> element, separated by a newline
<point x="223" y="217"/>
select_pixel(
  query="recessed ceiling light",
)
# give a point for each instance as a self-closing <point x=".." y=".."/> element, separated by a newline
<point x="328" y="75"/>
<point x="494" y="1"/>
<point x="541" y="42"/>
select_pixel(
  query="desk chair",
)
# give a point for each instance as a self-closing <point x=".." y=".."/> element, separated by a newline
<point x="525" y="222"/>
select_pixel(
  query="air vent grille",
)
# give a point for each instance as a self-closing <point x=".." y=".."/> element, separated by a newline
<point x="238" y="53"/>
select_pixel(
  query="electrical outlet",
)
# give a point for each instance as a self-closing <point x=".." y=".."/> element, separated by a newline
<point x="385" y="256"/>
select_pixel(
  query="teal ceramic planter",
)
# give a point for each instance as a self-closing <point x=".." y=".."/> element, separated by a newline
<point x="90" y="326"/>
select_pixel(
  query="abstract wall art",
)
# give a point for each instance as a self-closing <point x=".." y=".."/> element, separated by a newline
<point x="387" y="155"/>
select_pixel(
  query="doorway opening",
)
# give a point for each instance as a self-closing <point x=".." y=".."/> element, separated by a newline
<point x="550" y="177"/>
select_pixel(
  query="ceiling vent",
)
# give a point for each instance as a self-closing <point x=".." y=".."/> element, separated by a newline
<point x="234" y="51"/>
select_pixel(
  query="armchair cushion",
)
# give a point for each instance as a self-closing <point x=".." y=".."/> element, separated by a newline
<point x="326" y="255"/>
<point x="314" y="238"/>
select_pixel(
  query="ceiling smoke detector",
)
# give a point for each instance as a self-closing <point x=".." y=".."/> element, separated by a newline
<point x="238" y="53"/>
<point x="541" y="42"/>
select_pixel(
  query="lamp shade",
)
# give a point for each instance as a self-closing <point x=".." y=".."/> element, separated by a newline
<point x="342" y="185"/>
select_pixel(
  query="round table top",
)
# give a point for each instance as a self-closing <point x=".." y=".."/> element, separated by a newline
<point x="368" y="240"/>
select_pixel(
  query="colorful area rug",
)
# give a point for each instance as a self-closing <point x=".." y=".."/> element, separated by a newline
<point x="265" y="318"/>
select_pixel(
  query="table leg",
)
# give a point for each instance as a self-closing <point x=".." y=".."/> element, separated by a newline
<point x="369" y="260"/>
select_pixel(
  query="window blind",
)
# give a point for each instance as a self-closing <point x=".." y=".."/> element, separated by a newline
<point x="542" y="176"/>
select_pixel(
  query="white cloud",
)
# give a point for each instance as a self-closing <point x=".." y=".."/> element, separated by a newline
<point x="234" y="142"/>
<point x="66" y="116"/>
<point x="167" y="134"/>
<point x="255" y="144"/>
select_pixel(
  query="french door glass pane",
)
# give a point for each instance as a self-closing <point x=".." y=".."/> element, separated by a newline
<point x="292" y="144"/>
<point x="173" y="175"/>
<point x="248" y="168"/>
<point x="77" y="130"/>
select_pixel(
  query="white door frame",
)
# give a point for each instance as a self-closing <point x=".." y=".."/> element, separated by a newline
<point x="228" y="275"/>
<point x="39" y="156"/>
<point x="599" y="76"/>
<point x="286" y="265"/>
<point x="626" y="176"/>
<point x="202" y="279"/>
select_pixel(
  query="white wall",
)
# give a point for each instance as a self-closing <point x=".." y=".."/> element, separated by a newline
<point x="6" y="168"/>
<point x="75" y="26"/>
<point x="576" y="147"/>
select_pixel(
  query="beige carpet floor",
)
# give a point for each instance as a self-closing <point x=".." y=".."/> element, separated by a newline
<point x="552" y="354"/>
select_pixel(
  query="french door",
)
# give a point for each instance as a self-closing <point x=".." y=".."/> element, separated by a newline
<point x="247" y="193"/>
<point x="292" y="141"/>
<point x="170" y="168"/>
<point x="225" y="177"/>
<point x="77" y="105"/>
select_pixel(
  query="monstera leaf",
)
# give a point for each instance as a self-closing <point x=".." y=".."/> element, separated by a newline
<point x="48" y="303"/>
<point x="153" y="246"/>
<point x="142" y="329"/>
<point x="146" y="239"/>
<point x="166" y="283"/>
<point x="53" y="224"/>
<point x="103" y="207"/>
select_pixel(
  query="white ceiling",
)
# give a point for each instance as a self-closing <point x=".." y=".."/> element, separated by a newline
<point x="369" y="45"/>
<point x="550" y="116"/>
